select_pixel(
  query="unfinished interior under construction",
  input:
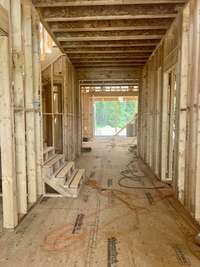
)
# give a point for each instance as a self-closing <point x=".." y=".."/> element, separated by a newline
<point x="99" y="133"/>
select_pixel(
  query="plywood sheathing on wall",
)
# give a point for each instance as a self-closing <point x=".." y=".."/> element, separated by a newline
<point x="100" y="33"/>
<point x="178" y="53"/>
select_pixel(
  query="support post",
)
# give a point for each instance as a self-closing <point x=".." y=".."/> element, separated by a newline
<point x="37" y="82"/>
<point x="29" y="103"/>
<point x="19" y="102"/>
<point x="10" y="214"/>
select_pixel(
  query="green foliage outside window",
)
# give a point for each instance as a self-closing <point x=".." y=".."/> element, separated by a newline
<point x="115" y="113"/>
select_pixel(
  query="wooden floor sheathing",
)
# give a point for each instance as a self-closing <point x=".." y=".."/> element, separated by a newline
<point x="108" y="225"/>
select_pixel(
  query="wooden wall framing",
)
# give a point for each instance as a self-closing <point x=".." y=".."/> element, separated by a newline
<point x="87" y="115"/>
<point x="21" y="108"/>
<point x="178" y="51"/>
<point x="62" y="72"/>
<point x="20" y="111"/>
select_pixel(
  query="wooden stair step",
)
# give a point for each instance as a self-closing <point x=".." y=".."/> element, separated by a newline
<point x="57" y="158"/>
<point x="52" y="166"/>
<point x="49" y="159"/>
<point x="76" y="182"/>
<point x="56" y="184"/>
<point x="72" y="185"/>
<point x="59" y="170"/>
<point x="70" y="179"/>
<point x="48" y="153"/>
<point x="67" y="170"/>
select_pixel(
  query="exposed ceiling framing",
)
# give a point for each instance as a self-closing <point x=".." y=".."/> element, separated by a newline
<point x="108" y="33"/>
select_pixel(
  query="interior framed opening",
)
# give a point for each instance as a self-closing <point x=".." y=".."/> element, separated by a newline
<point x="170" y="125"/>
<point x="115" y="117"/>
<point x="52" y="108"/>
<point x="109" y="108"/>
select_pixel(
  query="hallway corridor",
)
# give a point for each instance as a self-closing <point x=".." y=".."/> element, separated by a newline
<point x="108" y="224"/>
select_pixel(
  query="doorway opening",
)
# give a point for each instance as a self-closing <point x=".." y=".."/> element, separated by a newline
<point x="109" y="108"/>
<point x="170" y="124"/>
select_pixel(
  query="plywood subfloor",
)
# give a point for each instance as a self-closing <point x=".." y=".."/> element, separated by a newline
<point x="107" y="225"/>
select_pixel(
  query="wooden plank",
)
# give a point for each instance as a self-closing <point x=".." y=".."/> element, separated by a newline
<point x="29" y="100"/>
<point x="182" y="85"/>
<point x="77" y="179"/>
<point x="111" y="50"/>
<point x="110" y="25"/>
<point x="37" y="83"/>
<point x="189" y="198"/>
<point x="47" y="3"/>
<point x="87" y="18"/>
<point x="197" y="200"/>
<point x="111" y="94"/>
<point x="10" y="217"/>
<point x="113" y="54"/>
<point x="110" y="73"/>
<point x="104" y="64"/>
<point x="119" y="44"/>
<point x="99" y="34"/>
<point x="68" y="169"/>
<point x="110" y="38"/>
<point x="19" y="102"/>
<point x="96" y="61"/>
<point x="108" y="29"/>
<point x="65" y="107"/>
<point x="193" y="178"/>
<point x="83" y="13"/>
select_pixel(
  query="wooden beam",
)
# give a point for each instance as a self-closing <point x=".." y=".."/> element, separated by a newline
<point x="100" y="65"/>
<point x="110" y="84"/>
<point x="197" y="174"/>
<point x="75" y="60"/>
<point x="19" y="102"/>
<point x="108" y="74"/>
<point x="4" y="19"/>
<point x="29" y="103"/>
<point x="108" y="29"/>
<point x="95" y="59"/>
<point x="107" y="60"/>
<point x="10" y="216"/>
<point x="118" y="43"/>
<point x="181" y="114"/>
<point x="37" y="100"/>
<point x="112" y="38"/>
<point x="111" y="94"/>
<point x="107" y="55"/>
<point x="111" y="25"/>
<point x="99" y="51"/>
<point x="83" y="13"/>
<point x="109" y="34"/>
<point x="114" y="98"/>
<point x="61" y="3"/>
<point x="109" y="47"/>
<point x="87" y="18"/>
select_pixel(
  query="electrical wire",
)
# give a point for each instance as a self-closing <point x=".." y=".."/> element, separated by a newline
<point x="130" y="174"/>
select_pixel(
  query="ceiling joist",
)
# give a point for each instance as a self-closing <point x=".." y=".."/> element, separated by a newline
<point x="108" y="33"/>
<point x="77" y="3"/>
